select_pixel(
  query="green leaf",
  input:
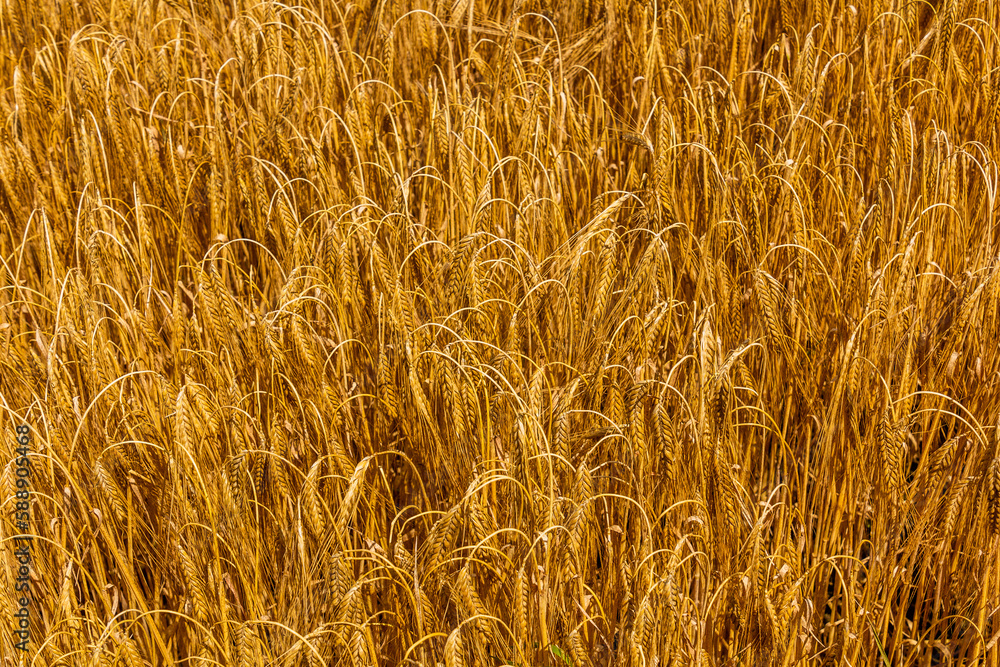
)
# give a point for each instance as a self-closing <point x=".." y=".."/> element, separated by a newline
<point x="559" y="653"/>
<point x="885" y="658"/>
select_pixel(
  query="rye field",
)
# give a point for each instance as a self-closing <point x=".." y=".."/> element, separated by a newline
<point x="589" y="333"/>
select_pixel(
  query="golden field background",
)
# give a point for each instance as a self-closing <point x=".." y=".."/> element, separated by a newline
<point x="534" y="333"/>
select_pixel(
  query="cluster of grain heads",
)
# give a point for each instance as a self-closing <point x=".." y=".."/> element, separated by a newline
<point x="509" y="332"/>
